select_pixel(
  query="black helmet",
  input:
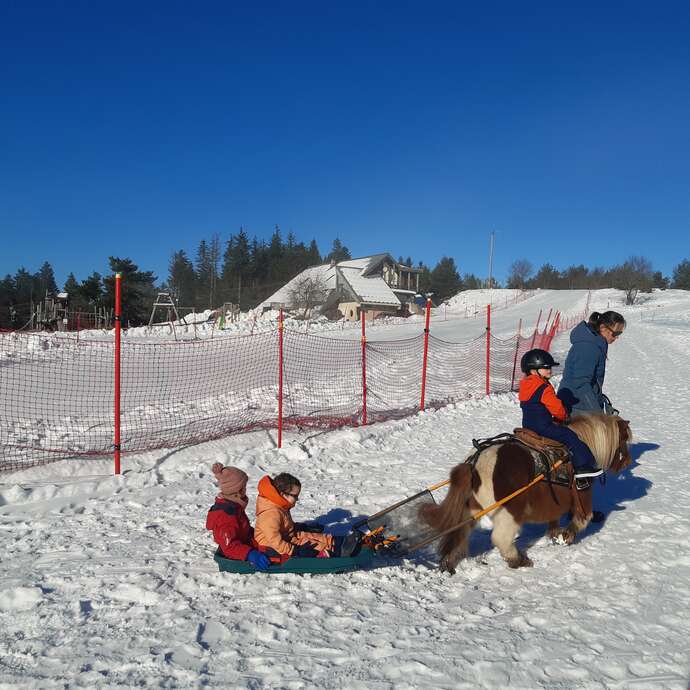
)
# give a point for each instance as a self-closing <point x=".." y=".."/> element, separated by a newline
<point x="537" y="359"/>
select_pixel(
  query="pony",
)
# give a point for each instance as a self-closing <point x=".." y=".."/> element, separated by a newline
<point x="507" y="466"/>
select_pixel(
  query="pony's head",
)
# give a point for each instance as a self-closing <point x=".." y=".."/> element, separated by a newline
<point x="608" y="437"/>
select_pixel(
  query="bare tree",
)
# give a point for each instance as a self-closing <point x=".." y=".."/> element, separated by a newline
<point x="635" y="275"/>
<point x="306" y="293"/>
<point x="518" y="273"/>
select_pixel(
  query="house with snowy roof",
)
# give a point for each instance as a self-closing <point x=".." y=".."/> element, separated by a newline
<point x="375" y="284"/>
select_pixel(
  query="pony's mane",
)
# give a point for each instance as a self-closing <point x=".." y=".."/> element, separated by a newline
<point x="601" y="433"/>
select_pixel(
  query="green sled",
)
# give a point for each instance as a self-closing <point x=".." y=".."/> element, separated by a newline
<point x="299" y="565"/>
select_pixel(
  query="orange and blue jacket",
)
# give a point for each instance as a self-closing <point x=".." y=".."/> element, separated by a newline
<point x="274" y="527"/>
<point x="539" y="403"/>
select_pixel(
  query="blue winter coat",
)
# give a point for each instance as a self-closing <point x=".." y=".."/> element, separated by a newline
<point x="583" y="374"/>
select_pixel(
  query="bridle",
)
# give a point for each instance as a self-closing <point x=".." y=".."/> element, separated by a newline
<point x="622" y="457"/>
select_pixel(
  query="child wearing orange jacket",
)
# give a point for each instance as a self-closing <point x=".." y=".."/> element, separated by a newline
<point x="540" y="407"/>
<point x="230" y="525"/>
<point x="274" y="526"/>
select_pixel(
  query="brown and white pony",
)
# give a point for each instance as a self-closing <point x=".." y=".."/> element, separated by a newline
<point x="506" y="467"/>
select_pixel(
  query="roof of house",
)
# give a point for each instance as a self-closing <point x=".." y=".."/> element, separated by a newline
<point x="370" y="289"/>
<point x="324" y="271"/>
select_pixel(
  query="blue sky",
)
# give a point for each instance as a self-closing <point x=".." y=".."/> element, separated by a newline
<point x="416" y="128"/>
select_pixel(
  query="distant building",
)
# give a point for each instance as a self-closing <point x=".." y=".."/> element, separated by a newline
<point x="375" y="284"/>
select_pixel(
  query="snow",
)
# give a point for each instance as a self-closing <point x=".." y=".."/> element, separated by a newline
<point x="109" y="581"/>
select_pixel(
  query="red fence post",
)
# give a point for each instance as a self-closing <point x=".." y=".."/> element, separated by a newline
<point x="280" y="379"/>
<point x="554" y="327"/>
<point x="517" y="347"/>
<point x="548" y="318"/>
<point x="488" y="348"/>
<point x="118" y="327"/>
<point x="536" y="328"/>
<point x="426" y="351"/>
<point x="364" y="368"/>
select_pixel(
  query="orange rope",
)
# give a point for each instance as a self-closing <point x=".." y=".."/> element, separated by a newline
<point x="485" y="511"/>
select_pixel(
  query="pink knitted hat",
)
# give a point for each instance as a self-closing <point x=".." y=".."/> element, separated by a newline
<point x="231" y="480"/>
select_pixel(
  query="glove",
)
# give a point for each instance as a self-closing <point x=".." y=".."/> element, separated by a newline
<point x="323" y="554"/>
<point x="259" y="560"/>
<point x="305" y="551"/>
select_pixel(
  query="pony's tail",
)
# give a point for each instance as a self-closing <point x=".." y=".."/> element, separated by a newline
<point x="448" y="513"/>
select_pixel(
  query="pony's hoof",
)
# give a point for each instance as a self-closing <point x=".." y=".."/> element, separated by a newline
<point x="568" y="537"/>
<point x="522" y="561"/>
<point x="446" y="568"/>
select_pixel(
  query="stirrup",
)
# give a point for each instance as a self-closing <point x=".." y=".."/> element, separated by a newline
<point x="583" y="483"/>
<point x="586" y="472"/>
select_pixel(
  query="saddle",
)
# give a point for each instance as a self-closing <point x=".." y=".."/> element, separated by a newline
<point x="544" y="451"/>
<point x="548" y="453"/>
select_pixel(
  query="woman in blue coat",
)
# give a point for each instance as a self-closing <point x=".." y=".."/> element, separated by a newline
<point x="585" y="366"/>
<point x="581" y="387"/>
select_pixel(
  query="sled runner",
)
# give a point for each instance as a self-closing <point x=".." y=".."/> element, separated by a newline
<point x="300" y="565"/>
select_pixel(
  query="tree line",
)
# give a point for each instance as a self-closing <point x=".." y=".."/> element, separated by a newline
<point x="634" y="275"/>
<point x="246" y="271"/>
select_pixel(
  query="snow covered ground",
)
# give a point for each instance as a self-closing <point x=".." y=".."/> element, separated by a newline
<point x="109" y="582"/>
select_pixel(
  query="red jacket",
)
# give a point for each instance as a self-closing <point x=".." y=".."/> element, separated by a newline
<point x="231" y="529"/>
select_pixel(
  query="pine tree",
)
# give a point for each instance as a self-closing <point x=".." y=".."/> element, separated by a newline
<point x="181" y="278"/>
<point x="471" y="282"/>
<point x="203" y="269"/>
<point x="339" y="252"/>
<point x="214" y="256"/>
<point x="547" y="278"/>
<point x="275" y="255"/>
<point x="237" y="268"/>
<point x="660" y="281"/>
<point x="91" y="290"/>
<point x="138" y="291"/>
<point x="45" y="281"/>
<point x="7" y="300"/>
<point x="681" y="276"/>
<point x="445" y="280"/>
<point x="71" y="287"/>
<point x="313" y="254"/>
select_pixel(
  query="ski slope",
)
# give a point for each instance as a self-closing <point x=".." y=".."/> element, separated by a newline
<point x="109" y="582"/>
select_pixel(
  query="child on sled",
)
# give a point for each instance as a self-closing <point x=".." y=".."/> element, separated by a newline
<point x="228" y="521"/>
<point x="275" y="528"/>
<point x="540" y="407"/>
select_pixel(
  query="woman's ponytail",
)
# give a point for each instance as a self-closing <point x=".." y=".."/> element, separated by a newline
<point x="608" y="319"/>
<point x="593" y="322"/>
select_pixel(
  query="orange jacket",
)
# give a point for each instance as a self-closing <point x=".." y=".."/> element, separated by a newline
<point x="528" y="387"/>
<point x="275" y="527"/>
